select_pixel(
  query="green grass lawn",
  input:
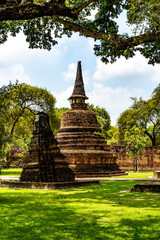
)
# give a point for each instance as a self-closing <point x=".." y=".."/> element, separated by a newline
<point x="87" y="213"/>
<point x="11" y="172"/>
<point x="132" y="174"/>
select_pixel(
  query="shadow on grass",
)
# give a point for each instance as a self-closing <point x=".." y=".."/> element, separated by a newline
<point x="141" y="229"/>
<point x="91" y="213"/>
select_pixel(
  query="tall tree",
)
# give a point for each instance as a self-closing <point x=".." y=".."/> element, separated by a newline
<point x="18" y="105"/>
<point x="44" y="21"/>
<point x="113" y="135"/>
<point x="103" y="119"/>
<point x="143" y="114"/>
<point x="125" y="122"/>
<point x="57" y="118"/>
<point x="135" y="144"/>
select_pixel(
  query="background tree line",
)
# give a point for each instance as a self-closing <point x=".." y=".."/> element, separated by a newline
<point x="20" y="102"/>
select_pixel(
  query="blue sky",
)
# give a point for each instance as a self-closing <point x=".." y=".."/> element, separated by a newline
<point x="109" y="86"/>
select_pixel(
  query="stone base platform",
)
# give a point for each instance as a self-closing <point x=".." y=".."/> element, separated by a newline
<point x="48" y="186"/>
<point x="153" y="187"/>
<point x="157" y="174"/>
<point x="94" y="174"/>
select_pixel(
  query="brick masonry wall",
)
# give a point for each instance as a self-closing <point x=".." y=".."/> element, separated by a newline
<point x="150" y="160"/>
<point x="85" y="118"/>
<point x="86" y="153"/>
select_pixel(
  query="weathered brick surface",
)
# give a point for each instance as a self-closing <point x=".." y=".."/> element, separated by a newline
<point x="44" y="162"/>
<point x="13" y="159"/>
<point x="86" y="153"/>
<point x="149" y="161"/>
<point x="79" y="117"/>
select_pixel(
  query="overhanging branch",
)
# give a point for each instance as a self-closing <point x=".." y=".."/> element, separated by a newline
<point x="30" y="11"/>
<point x="77" y="28"/>
<point x="78" y="9"/>
<point x="120" y="43"/>
<point x="57" y="9"/>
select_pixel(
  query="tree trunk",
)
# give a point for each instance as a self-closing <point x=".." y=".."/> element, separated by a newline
<point x="152" y="138"/>
<point x="136" y="162"/>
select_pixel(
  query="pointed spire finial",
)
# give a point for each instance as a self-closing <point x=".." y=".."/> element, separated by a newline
<point x="79" y="91"/>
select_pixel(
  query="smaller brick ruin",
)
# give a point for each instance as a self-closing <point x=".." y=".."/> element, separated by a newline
<point x="44" y="162"/>
<point x="150" y="187"/>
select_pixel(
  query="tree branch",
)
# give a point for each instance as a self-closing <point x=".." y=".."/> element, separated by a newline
<point x="10" y="10"/>
<point x="77" y="28"/>
<point x="15" y="122"/>
<point x="30" y="11"/>
<point x="78" y="9"/>
<point x="143" y="38"/>
<point x="120" y="43"/>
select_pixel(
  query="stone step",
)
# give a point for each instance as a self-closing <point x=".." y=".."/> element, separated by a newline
<point x="81" y="140"/>
<point x="99" y="174"/>
<point x="83" y="146"/>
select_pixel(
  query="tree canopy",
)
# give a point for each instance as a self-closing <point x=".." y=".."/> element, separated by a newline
<point x="103" y="119"/>
<point x="18" y="105"/>
<point x="58" y="116"/>
<point x="43" y="21"/>
<point x="144" y="114"/>
<point x="135" y="144"/>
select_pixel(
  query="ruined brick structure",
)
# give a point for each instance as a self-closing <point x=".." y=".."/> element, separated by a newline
<point x="13" y="159"/>
<point x="44" y="162"/>
<point x="87" y="153"/>
<point x="149" y="161"/>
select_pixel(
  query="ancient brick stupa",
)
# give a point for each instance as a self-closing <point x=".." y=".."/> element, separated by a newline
<point x="87" y="153"/>
<point x="44" y="162"/>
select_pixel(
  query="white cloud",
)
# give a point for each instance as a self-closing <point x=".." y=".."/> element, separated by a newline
<point x="62" y="97"/>
<point x="15" y="57"/>
<point x="13" y="73"/>
<point x="123" y="67"/>
<point x="70" y="75"/>
<point x="13" y="49"/>
<point x="16" y="49"/>
<point x="71" y="72"/>
<point x="114" y="100"/>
